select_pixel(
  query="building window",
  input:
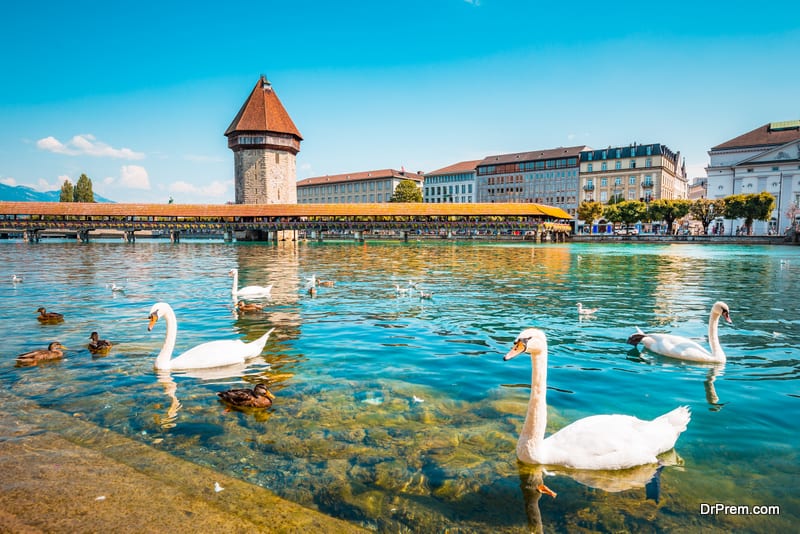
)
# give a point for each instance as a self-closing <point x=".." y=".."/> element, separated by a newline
<point x="632" y="180"/>
<point x="589" y="167"/>
<point x="632" y="164"/>
<point x="617" y="164"/>
<point x="617" y="181"/>
<point x="603" y="182"/>
<point x="604" y="166"/>
<point x="648" y="162"/>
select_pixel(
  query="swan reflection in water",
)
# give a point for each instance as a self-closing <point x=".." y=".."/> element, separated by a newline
<point x="237" y="371"/>
<point x="647" y="477"/>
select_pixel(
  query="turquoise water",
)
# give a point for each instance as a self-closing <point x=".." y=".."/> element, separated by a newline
<point x="398" y="413"/>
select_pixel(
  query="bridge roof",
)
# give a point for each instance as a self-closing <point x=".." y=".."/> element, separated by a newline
<point x="281" y="210"/>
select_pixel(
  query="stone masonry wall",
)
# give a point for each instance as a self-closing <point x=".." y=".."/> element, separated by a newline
<point x="265" y="176"/>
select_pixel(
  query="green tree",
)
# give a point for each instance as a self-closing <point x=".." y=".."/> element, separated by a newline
<point x="668" y="210"/>
<point x="752" y="207"/>
<point x="631" y="211"/>
<point x="83" y="189"/>
<point x="589" y="211"/>
<point x="706" y="210"/>
<point x="67" y="192"/>
<point x="406" y="191"/>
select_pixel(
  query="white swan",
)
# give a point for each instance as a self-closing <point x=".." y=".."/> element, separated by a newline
<point x="607" y="442"/>
<point x="248" y="291"/>
<point x="684" y="348"/>
<point x="212" y="354"/>
<point x="586" y="311"/>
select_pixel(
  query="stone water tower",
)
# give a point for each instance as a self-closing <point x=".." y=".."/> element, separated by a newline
<point x="265" y="142"/>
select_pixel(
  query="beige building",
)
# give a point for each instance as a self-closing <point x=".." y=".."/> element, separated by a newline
<point x="353" y="188"/>
<point x="265" y="142"/>
<point x="635" y="172"/>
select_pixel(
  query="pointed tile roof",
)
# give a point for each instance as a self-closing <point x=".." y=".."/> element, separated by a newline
<point x="263" y="112"/>
<point x="774" y="133"/>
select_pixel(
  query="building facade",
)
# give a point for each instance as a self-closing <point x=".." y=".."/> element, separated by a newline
<point x="265" y="143"/>
<point x="542" y="177"/>
<point x="634" y="172"/>
<point x="353" y="188"/>
<point x="454" y="183"/>
<point x="764" y="159"/>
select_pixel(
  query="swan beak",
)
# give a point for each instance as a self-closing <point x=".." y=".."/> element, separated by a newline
<point x="153" y="319"/>
<point x="727" y="317"/>
<point x="517" y="349"/>
<point x="547" y="491"/>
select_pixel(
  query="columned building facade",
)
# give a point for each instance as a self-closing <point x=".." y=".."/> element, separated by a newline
<point x="634" y="172"/>
<point x="542" y="176"/>
<point x="454" y="183"/>
<point x="764" y="159"/>
<point x="353" y="188"/>
<point x="265" y="143"/>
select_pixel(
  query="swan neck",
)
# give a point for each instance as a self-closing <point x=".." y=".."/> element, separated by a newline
<point x="713" y="336"/>
<point x="164" y="357"/>
<point x="533" y="429"/>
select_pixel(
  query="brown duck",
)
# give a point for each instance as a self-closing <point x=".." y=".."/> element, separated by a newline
<point x="258" y="397"/>
<point x="244" y="308"/>
<point x="49" y="317"/>
<point x="97" y="345"/>
<point x="52" y="352"/>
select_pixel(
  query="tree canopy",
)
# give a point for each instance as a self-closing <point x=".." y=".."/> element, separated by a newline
<point x="589" y="211"/>
<point x="83" y="189"/>
<point x="706" y="210"/>
<point x="67" y="192"/>
<point x="406" y="191"/>
<point x="754" y="206"/>
<point x="668" y="210"/>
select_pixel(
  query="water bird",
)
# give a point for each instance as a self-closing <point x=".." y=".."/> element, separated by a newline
<point x="97" y="345"/>
<point x="52" y="352"/>
<point x="248" y="291"/>
<point x="598" y="442"/>
<point x="402" y="291"/>
<point x="683" y="348"/>
<point x="326" y="283"/>
<point x="17" y="279"/>
<point x="586" y="311"/>
<point x="424" y="295"/>
<point x="49" y="317"/>
<point x="248" y="307"/>
<point x="312" y="292"/>
<point x="258" y="397"/>
<point x="115" y="288"/>
<point x="212" y="354"/>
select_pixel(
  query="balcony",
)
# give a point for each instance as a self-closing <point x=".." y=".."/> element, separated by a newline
<point x="647" y="183"/>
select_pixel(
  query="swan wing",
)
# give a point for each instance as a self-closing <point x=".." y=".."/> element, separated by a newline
<point x="676" y="347"/>
<point x="253" y="291"/>
<point x="610" y="442"/>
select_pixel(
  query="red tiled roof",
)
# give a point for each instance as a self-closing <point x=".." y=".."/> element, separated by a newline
<point x="263" y="112"/>
<point x="560" y="152"/>
<point x="771" y="134"/>
<point x="461" y="166"/>
<point x="280" y="210"/>
<point x="365" y="175"/>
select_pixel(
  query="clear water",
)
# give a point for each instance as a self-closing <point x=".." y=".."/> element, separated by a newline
<point x="398" y="413"/>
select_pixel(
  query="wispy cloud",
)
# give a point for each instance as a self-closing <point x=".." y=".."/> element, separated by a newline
<point x="8" y="181"/>
<point x="86" y="145"/>
<point x="44" y="185"/>
<point x="134" y="177"/>
<point x="214" y="189"/>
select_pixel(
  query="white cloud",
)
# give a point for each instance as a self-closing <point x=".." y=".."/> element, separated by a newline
<point x="134" y="177"/>
<point x="8" y="181"/>
<point x="87" y="145"/>
<point x="108" y="180"/>
<point x="214" y="189"/>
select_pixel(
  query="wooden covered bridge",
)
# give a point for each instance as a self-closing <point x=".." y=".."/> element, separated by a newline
<point x="261" y="222"/>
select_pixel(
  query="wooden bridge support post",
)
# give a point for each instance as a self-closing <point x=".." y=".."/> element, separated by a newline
<point x="174" y="236"/>
<point x="130" y="236"/>
<point x="32" y="236"/>
<point x="227" y="236"/>
<point x="82" y="236"/>
<point x="405" y="236"/>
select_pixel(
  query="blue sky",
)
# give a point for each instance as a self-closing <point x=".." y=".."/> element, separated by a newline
<point x="137" y="95"/>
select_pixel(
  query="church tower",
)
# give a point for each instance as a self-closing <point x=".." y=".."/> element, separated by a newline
<point x="265" y="142"/>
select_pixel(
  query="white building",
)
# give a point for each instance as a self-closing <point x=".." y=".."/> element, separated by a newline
<point x="454" y="183"/>
<point x="354" y="188"/>
<point x="764" y="159"/>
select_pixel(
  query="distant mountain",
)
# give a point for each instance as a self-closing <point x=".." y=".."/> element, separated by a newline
<point x="21" y="193"/>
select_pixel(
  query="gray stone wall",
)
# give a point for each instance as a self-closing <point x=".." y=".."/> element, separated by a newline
<point x="265" y="176"/>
